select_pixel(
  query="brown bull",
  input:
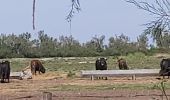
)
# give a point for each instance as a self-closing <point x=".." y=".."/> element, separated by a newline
<point x="36" y="65"/>
<point x="122" y="64"/>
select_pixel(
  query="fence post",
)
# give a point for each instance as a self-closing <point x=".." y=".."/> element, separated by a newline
<point x="47" y="96"/>
<point x="92" y="77"/>
<point x="134" y="77"/>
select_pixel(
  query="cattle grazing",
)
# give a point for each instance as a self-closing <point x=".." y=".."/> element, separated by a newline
<point x="165" y="67"/>
<point x="4" y="71"/>
<point x="122" y="64"/>
<point x="101" y="64"/>
<point x="36" y="65"/>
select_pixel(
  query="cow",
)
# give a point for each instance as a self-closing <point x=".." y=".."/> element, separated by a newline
<point x="122" y="64"/>
<point x="5" y="71"/>
<point x="165" y="67"/>
<point x="36" y="65"/>
<point x="101" y="64"/>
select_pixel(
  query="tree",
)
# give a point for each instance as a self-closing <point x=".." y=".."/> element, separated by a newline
<point x="47" y="44"/>
<point x="119" y="44"/>
<point x="98" y="43"/>
<point x="166" y="40"/>
<point x="156" y="33"/>
<point x="142" y="41"/>
<point x="160" y="9"/>
<point x="75" y="6"/>
<point x="68" y="46"/>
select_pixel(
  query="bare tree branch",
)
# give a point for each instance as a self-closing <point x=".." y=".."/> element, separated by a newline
<point x="74" y="7"/>
<point x="33" y="15"/>
<point x="160" y="9"/>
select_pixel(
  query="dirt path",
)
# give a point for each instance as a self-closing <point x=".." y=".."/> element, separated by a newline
<point x="89" y="95"/>
<point x="64" y="88"/>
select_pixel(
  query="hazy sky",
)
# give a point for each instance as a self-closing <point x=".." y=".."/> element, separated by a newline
<point x="98" y="17"/>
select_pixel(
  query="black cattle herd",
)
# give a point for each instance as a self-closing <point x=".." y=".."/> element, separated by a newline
<point x="100" y="64"/>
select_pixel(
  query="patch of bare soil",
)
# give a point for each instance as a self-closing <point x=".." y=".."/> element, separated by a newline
<point x="33" y="89"/>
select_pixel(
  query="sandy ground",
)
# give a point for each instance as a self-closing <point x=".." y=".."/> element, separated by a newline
<point x="33" y="89"/>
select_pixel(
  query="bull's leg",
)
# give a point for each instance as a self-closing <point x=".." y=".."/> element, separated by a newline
<point x="126" y="68"/>
<point x="8" y="78"/>
<point x="168" y="74"/>
<point x="2" y="80"/>
<point x="32" y="71"/>
<point x="120" y="67"/>
<point x="35" y="72"/>
<point x="39" y="72"/>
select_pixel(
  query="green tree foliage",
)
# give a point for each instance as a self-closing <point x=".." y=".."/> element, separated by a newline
<point x="23" y="45"/>
<point x="121" y="45"/>
<point x="160" y="36"/>
<point x="142" y="41"/>
<point x="159" y="27"/>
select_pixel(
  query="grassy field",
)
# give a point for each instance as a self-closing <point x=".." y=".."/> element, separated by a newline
<point x="75" y="64"/>
<point x="70" y="68"/>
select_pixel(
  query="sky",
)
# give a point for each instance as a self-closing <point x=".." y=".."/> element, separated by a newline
<point x="96" y="18"/>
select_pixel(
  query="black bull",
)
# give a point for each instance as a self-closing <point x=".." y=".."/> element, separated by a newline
<point x="4" y="71"/>
<point x="101" y="64"/>
<point x="36" y="65"/>
<point x="165" y="67"/>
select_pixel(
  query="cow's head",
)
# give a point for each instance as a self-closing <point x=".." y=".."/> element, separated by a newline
<point x="42" y="69"/>
<point x="102" y="61"/>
